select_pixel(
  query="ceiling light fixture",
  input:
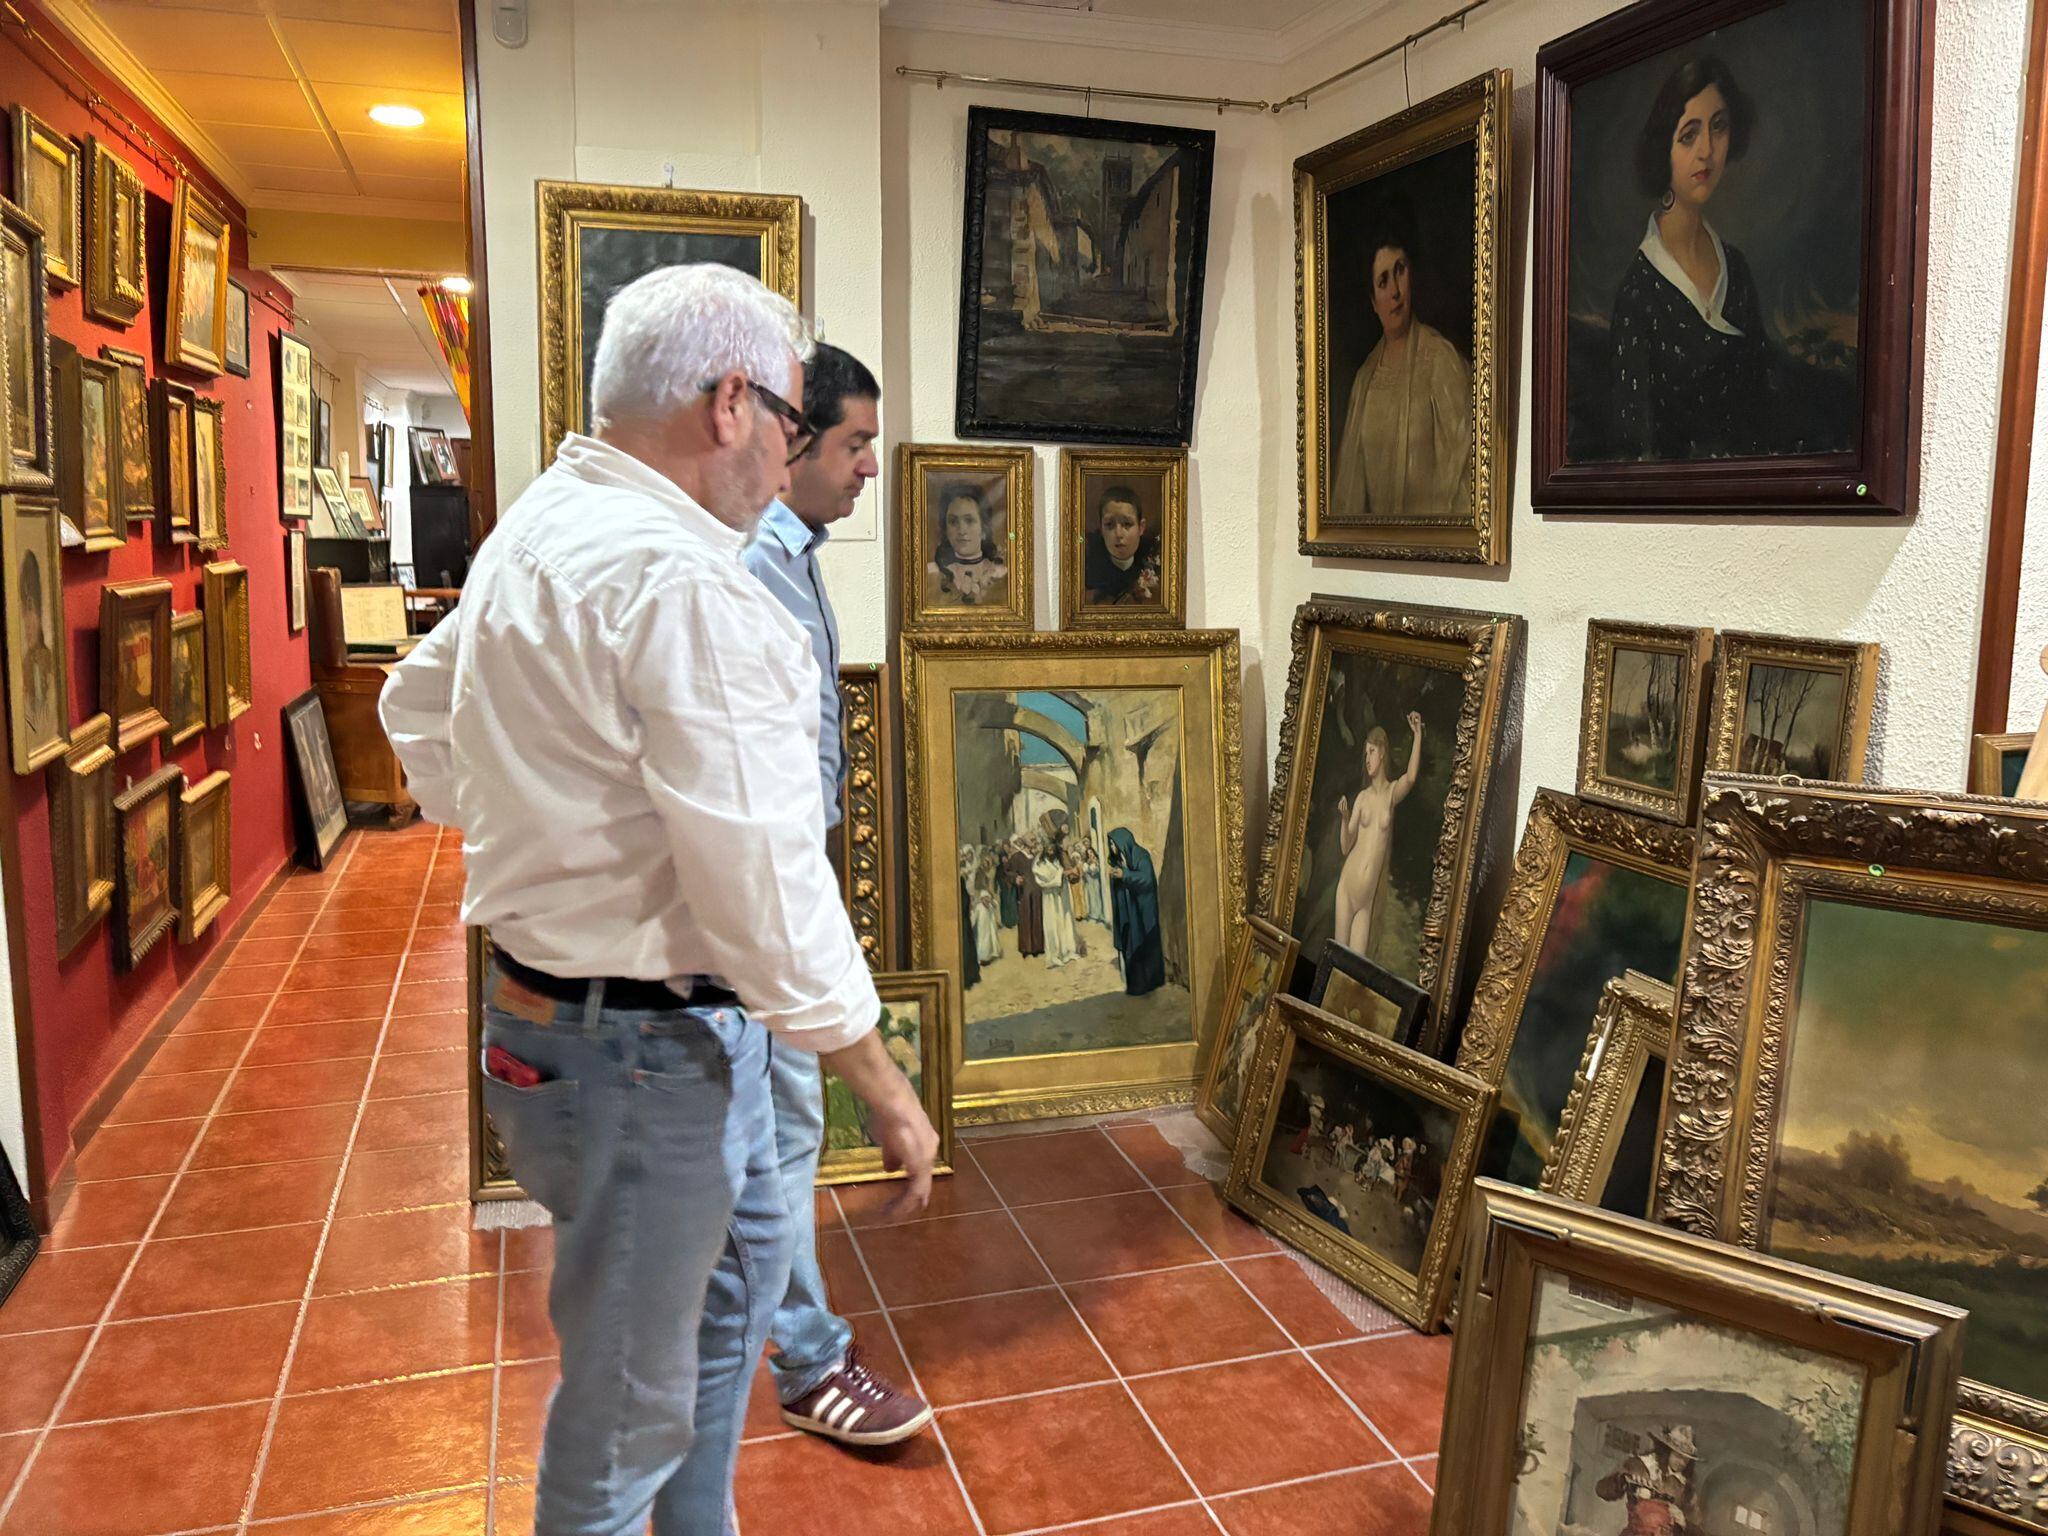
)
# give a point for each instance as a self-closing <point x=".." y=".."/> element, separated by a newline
<point x="458" y="285"/>
<point x="394" y="116"/>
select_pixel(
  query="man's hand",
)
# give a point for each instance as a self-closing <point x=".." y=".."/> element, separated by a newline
<point x="896" y="1120"/>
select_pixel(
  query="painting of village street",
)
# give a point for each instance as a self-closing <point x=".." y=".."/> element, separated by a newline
<point x="1908" y="1162"/>
<point x="1072" y="871"/>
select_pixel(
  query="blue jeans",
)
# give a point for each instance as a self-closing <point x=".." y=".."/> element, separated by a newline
<point x="811" y="1337"/>
<point x="651" y="1140"/>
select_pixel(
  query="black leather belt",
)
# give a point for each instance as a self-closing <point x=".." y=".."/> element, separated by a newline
<point x="619" y="991"/>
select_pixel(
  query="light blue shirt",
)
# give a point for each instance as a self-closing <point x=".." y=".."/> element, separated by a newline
<point x="784" y="556"/>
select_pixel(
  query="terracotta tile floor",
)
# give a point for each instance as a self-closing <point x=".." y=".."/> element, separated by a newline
<point x="265" y="1309"/>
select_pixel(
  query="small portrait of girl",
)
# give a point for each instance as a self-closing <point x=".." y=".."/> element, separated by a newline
<point x="967" y="568"/>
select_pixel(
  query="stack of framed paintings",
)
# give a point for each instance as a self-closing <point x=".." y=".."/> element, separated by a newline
<point x="322" y="815"/>
<point x="82" y="832"/>
<point x="917" y="1027"/>
<point x="145" y="898"/>
<point x="1605" y="1151"/>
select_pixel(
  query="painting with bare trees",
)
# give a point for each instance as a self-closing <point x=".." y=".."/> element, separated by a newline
<point x="1791" y="722"/>
<point x="1646" y="703"/>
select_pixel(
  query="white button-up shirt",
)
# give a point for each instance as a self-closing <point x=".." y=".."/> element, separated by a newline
<point x="624" y="724"/>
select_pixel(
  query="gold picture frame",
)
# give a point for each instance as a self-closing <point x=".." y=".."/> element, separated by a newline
<point x="1763" y="686"/>
<point x="1996" y="761"/>
<point x="196" y="299"/>
<point x="206" y="878"/>
<point x="1443" y="165"/>
<point x="1816" y="907"/>
<point x="1262" y="969"/>
<point x="1714" y="1351"/>
<point x="82" y="832"/>
<point x="847" y="1156"/>
<point x="116" y="243"/>
<point x="863" y="846"/>
<point x="38" y="672"/>
<point x="490" y="1164"/>
<point x="230" y="687"/>
<point x="135" y="478"/>
<point x="1151" y="482"/>
<point x="146" y="839"/>
<point x="1438" y="1114"/>
<point x="173" y="420"/>
<point x="1458" y="664"/>
<point x="27" y="413"/>
<point x="661" y="225"/>
<point x="209" y="474"/>
<point x="135" y="659"/>
<point x="1647" y="760"/>
<point x="1617" y="1091"/>
<point x="49" y="183"/>
<point x="1594" y="892"/>
<point x="188" y="676"/>
<point x="942" y="590"/>
<point x="1135" y="734"/>
<point x="87" y="453"/>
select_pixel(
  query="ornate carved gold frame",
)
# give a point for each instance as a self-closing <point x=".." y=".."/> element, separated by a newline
<point x="1418" y="1298"/>
<point x="1694" y="649"/>
<point x="1478" y="112"/>
<point x="1908" y="1349"/>
<point x="1735" y="653"/>
<point x="35" y="469"/>
<point x="1765" y="848"/>
<point x="211" y="535"/>
<point x="490" y="1166"/>
<point x="193" y="213"/>
<point x="865" y="845"/>
<point x="33" y="525"/>
<point x="229" y="686"/>
<point x="1479" y="646"/>
<point x="1171" y="465"/>
<point x="118" y="600"/>
<point x="203" y="810"/>
<point x="35" y="139"/>
<point x="1631" y="1029"/>
<point x="566" y="208"/>
<point x="937" y="994"/>
<point x="1258" y="935"/>
<point x="1203" y="666"/>
<point x="129" y="949"/>
<point x="916" y="464"/>
<point x="116" y="263"/>
<point x="135" y="484"/>
<point x="82" y="786"/>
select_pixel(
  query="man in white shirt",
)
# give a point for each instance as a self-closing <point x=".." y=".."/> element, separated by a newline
<point x="623" y="724"/>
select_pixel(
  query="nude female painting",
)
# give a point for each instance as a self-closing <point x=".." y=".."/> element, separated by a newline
<point x="1365" y="836"/>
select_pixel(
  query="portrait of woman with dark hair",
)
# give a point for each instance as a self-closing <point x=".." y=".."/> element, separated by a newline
<point x="966" y="568"/>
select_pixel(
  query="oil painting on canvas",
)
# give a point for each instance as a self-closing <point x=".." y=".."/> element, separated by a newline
<point x="1791" y="720"/>
<point x="1238" y="1041"/>
<point x="901" y="1030"/>
<point x="1646" y="699"/>
<point x="967" y="563"/>
<point x="146" y="864"/>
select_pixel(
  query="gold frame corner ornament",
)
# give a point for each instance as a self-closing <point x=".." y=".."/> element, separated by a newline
<point x="915" y="464"/>
<point x="1171" y="465"/>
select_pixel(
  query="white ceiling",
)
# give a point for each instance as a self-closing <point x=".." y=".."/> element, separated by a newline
<point x="275" y="94"/>
<point x="378" y="320"/>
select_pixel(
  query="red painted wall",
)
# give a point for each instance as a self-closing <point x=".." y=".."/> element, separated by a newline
<point x="87" y="1018"/>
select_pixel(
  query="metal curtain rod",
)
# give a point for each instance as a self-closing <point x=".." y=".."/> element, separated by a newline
<point x="137" y="135"/>
<point x="1300" y="98"/>
<point x="939" y="77"/>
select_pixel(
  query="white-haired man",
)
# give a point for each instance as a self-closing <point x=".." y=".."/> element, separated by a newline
<point x="624" y="724"/>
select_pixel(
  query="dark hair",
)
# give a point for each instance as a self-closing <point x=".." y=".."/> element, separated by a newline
<point x="831" y="378"/>
<point x="1124" y="494"/>
<point x="1392" y="227"/>
<point x="1653" y="149"/>
<point x="969" y="491"/>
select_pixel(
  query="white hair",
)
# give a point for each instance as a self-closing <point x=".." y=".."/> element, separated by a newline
<point x="670" y="334"/>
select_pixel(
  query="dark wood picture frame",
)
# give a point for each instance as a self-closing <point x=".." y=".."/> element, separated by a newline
<point x="1880" y="475"/>
<point x="131" y="945"/>
<point x="1410" y="1001"/>
<point x="318" y="809"/>
<point x="118" y="601"/>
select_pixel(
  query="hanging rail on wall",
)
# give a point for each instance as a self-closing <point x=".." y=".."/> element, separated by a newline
<point x="137" y="135"/>
<point x="939" y="78"/>
<point x="1454" y="18"/>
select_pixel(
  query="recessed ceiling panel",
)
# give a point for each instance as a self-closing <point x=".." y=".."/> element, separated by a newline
<point x="255" y="103"/>
<point x="275" y="147"/>
<point x="345" y="54"/>
<point x="195" y="39"/>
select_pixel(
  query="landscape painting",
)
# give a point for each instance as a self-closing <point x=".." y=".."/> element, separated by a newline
<point x="1902" y="1162"/>
<point x="1639" y="1418"/>
<point x="1791" y="721"/>
<point x="1646" y="705"/>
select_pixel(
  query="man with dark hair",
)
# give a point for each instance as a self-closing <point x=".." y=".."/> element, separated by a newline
<point x="823" y="1384"/>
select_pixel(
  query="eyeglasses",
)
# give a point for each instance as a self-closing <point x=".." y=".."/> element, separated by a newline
<point x="801" y="433"/>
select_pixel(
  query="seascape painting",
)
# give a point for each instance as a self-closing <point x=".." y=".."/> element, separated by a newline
<point x="1237" y="1044"/>
<point x="1791" y="721"/>
<point x="1361" y="1155"/>
<point x="1639" y="1418"/>
<point x="901" y="1030"/>
<point x="1074" y="905"/>
<point x="1645" y="715"/>
<point x="1901" y="1163"/>
<point x="968" y="542"/>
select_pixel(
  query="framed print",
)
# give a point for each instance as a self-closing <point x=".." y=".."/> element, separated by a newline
<point x="209" y="473"/>
<point x="1785" y="706"/>
<point x="1263" y="967"/>
<point x="236" y="359"/>
<point x="49" y="184"/>
<point x="188" y="676"/>
<point x="1996" y="761"/>
<point x="334" y="501"/>
<point x="1381" y="784"/>
<point x="135" y="659"/>
<point x="1609" y="1375"/>
<point x="447" y="471"/>
<point x="1350" y="987"/>
<point x="82" y="832"/>
<point x="1123" y="538"/>
<point x="89" y="449"/>
<point x="1359" y="1152"/>
<point x="19" y="1240"/>
<point x="863" y="845"/>
<point x="323" y="433"/>
<point x="917" y="1026"/>
<point x="196" y="307"/>
<point x="1642" y="725"/>
<point x="27" y="424"/>
<point x="1078" y="336"/>
<point x="205" y="855"/>
<point x="595" y="239"/>
<point x="432" y="462"/>
<point x="1400" y="313"/>
<point x="1594" y="892"/>
<point x="116" y="252"/>
<point x="362" y="502"/>
<point x="1856" y="1077"/>
<point x="145" y="901"/>
<point x="135" y="474"/>
<point x="1082" y="791"/>
<point x="296" y="580"/>
<point x="1729" y="276"/>
<point x="322" y="814"/>
<point x="174" y="455"/>
<point x="229" y="686"/>
<point x="294" y="429"/>
<point x="965" y="523"/>
<point x="1605" y="1153"/>
<point x="38" y="687"/>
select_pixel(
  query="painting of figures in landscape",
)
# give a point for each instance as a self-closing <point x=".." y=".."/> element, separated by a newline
<point x="1645" y="701"/>
<point x="846" y="1116"/>
<point x="1605" y="919"/>
<point x="1639" y="1418"/>
<point x="1791" y="721"/>
<point x="1072" y="871"/>
<point x="1358" y="1154"/>
<point x="1897" y="1164"/>
<point x="1081" y="282"/>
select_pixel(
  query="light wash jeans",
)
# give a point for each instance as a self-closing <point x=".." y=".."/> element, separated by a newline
<point x="652" y="1142"/>
<point x="811" y="1337"/>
